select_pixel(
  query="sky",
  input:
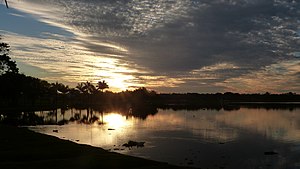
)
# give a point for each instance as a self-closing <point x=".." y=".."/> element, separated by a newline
<point x="203" y="46"/>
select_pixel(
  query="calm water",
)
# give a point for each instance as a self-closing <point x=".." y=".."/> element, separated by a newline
<point x="244" y="138"/>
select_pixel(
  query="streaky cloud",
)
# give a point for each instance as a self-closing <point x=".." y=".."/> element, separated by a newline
<point x="192" y="45"/>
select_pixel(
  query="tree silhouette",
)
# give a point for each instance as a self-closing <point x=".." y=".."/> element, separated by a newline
<point x="86" y="88"/>
<point x="101" y="85"/>
<point x="6" y="64"/>
<point x="90" y="87"/>
<point x="81" y="87"/>
<point x="60" y="88"/>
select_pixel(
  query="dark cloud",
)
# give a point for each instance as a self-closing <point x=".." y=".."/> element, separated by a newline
<point x="173" y="38"/>
<point x="255" y="35"/>
<point x="184" y="35"/>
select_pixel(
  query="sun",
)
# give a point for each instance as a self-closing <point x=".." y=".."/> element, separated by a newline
<point x="118" y="77"/>
<point x="118" y="83"/>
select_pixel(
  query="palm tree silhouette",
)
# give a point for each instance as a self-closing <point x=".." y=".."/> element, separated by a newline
<point x="90" y="87"/>
<point x="81" y="87"/>
<point x="60" y="88"/>
<point x="101" y="85"/>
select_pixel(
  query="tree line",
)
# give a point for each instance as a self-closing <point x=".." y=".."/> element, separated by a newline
<point x="19" y="91"/>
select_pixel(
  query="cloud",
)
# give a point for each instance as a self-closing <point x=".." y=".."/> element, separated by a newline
<point x="280" y="77"/>
<point x="199" y="45"/>
<point x="67" y="62"/>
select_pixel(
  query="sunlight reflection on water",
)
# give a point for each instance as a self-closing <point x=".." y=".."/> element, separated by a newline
<point x="188" y="137"/>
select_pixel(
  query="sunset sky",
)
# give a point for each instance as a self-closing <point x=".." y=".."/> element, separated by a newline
<point x="203" y="46"/>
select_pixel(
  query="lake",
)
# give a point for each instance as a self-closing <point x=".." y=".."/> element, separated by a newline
<point x="205" y="138"/>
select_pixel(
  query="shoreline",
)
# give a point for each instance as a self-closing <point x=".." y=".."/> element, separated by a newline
<point x="22" y="148"/>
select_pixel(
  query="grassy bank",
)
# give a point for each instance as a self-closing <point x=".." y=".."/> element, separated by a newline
<point x="21" y="148"/>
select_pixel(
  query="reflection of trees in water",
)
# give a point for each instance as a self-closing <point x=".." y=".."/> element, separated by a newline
<point x="21" y="118"/>
<point x="90" y="117"/>
<point x="80" y="116"/>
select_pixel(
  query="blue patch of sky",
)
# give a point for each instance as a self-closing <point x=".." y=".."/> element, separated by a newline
<point x="32" y="70"/>
<point x="25" y="24"/>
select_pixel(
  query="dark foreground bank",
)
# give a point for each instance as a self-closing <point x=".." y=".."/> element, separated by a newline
<point x="21" y="148"/>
